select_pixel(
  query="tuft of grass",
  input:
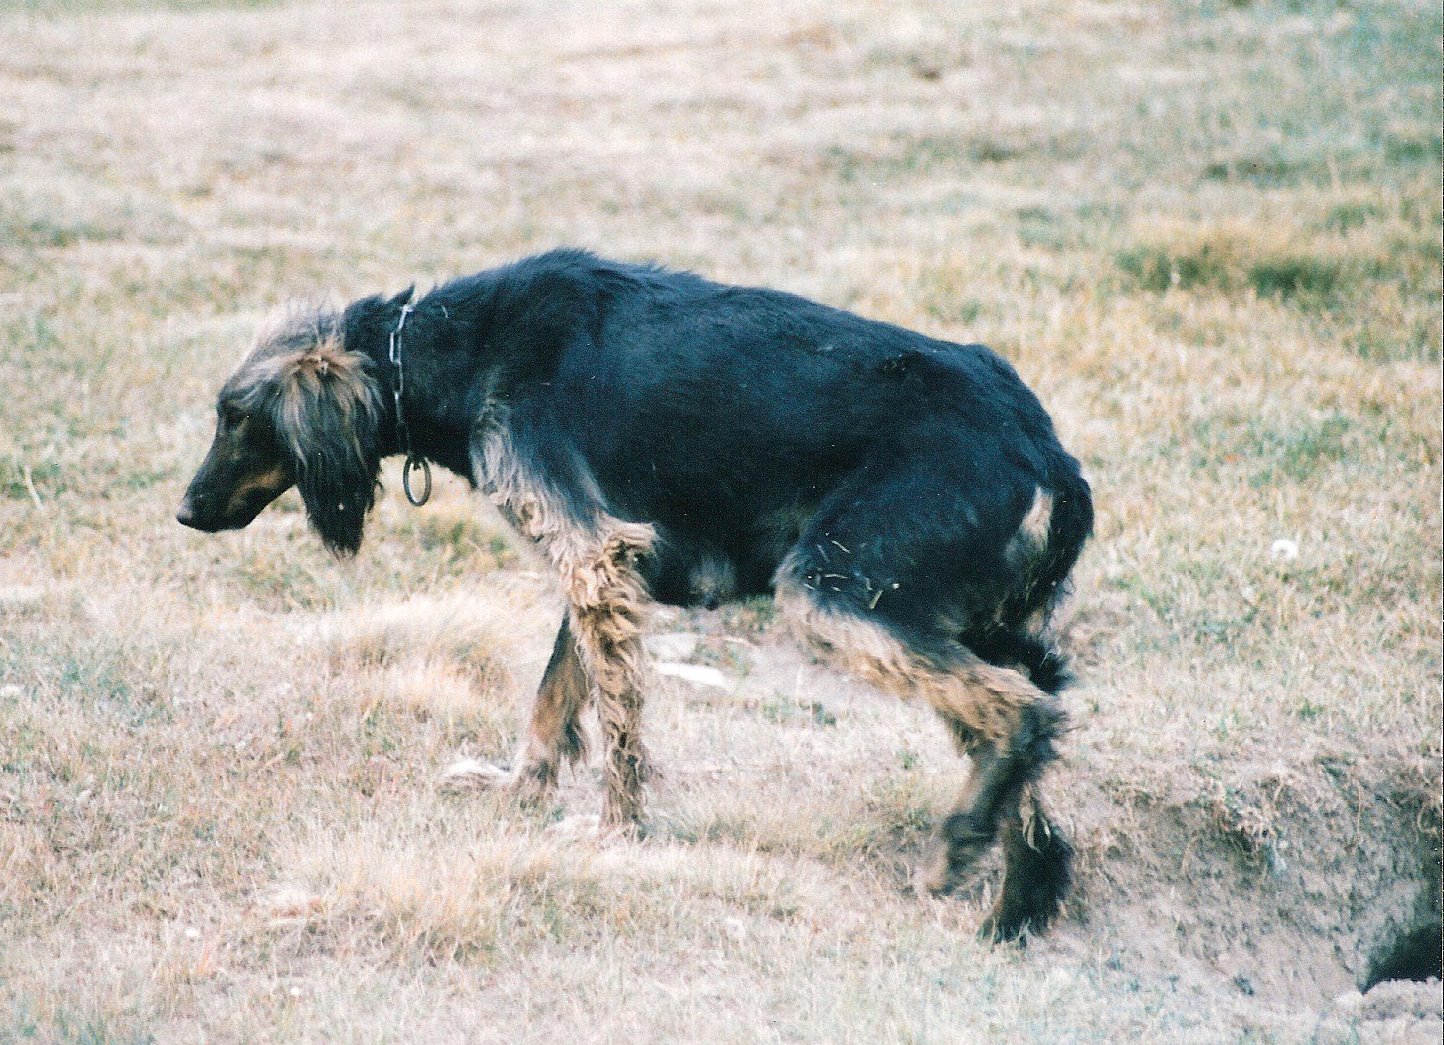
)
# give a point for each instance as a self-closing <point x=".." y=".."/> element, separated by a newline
<point x="1274" y="454"/>
<point x="461" y="628"/>
<point x="1237" y="260"/>
<point x="1295" y="276"/>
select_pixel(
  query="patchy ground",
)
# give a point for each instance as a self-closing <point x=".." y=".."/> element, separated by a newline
<point x="1207" y="234"/>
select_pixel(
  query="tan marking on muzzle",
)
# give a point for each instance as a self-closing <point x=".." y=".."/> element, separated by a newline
<point x="271" y="482"/>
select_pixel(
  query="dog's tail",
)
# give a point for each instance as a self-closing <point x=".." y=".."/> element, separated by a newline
<point x="1018" y="636"/>
<point x="1008" y="647"/>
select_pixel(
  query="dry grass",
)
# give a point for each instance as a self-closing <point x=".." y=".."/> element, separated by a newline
<point x="1207" y="233"/>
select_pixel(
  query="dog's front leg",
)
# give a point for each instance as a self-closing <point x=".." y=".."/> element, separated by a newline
<point x="606" y="604"/>
<point x="598" y="654"/>
<point x="545" y="491"/>
<point x="554" y="733"/>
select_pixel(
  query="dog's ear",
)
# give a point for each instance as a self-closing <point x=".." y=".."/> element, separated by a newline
<point x="327" y="412"/>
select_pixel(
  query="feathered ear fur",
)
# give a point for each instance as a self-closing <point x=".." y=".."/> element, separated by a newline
<point x="326" y="411"/>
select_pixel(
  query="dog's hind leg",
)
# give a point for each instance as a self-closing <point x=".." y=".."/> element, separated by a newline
<point x="1037" y="872"/>
<point x="1002" y="795"/>
<point x="1004" y="763"/>
<point x="887" y="593"/>
<point x="1008" y="751"/>
<point x="1005" y="725"/>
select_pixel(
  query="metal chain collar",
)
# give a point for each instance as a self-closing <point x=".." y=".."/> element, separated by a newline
<point x="413" y="462"/>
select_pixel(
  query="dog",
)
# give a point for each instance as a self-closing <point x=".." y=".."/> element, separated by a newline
<point x="663" y="438"/>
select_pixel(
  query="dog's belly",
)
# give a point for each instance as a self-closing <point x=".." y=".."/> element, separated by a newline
<point x="688" y="568"/>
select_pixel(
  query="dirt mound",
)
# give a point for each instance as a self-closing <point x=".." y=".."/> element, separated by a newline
<point x="1282" y="887"/>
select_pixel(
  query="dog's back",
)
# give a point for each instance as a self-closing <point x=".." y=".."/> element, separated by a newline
<point x="727" y="416"/>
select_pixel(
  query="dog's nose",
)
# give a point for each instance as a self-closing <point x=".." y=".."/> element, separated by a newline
<point x="185" y="514"/>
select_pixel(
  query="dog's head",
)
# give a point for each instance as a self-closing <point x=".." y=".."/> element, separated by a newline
<point x="301" y="410"/>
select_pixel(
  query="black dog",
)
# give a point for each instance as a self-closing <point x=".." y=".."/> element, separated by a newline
<point x="661" y="437"/>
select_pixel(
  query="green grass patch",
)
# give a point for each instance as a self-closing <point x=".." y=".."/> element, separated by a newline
<point x="1228" y="261"/>
<point x="1270" y="453"/>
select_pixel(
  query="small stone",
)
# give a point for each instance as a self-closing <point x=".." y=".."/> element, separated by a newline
<point x="1284" y="550"/>
<point x="472" y="774"/>
<point x="695" y="674"/>
<point x="672" y="646"/>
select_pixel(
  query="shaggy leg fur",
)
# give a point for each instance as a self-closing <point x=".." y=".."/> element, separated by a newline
<point x="595" y="555"/>
<point x="1002" y="769"/>
<point x="1036" y="876"/>
<point x="608" y="602"/>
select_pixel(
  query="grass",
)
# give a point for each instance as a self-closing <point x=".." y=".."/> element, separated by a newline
<point x="1208" y="234"/>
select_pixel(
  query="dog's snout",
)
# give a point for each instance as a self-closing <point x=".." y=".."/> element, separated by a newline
<point x="186" y="513"/>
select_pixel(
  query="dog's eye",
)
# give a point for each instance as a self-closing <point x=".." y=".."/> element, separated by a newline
<point x="230" y="416"/>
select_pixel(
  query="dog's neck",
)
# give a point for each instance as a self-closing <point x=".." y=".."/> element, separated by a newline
<point x="435" y="396"/>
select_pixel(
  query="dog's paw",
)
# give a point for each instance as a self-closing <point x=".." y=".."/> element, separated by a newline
<point x="590" y="829"/>
<point x="469" y="775"/>
<point x="937" y="877"/>
<point x="948" y="869"/>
